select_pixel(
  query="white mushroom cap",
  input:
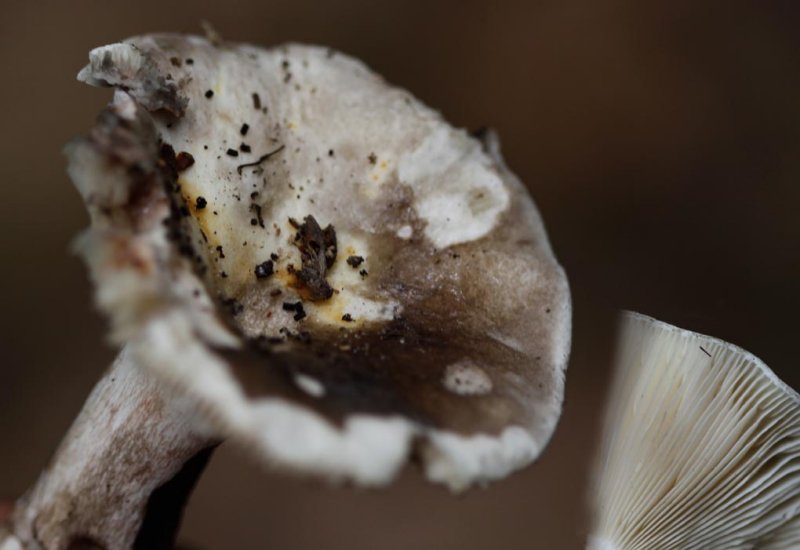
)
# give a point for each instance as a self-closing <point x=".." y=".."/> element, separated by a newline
<point x="436" y="316"/>
<point x="701" y="446"/>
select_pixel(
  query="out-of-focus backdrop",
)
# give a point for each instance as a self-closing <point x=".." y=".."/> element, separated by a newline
<point x="661" y="141"/>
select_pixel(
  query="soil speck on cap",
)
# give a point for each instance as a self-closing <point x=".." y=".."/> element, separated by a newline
<point x="183" y="160"/>
<point x="264" y="270"/>
<point x="355" y="261"/>
<point x="297" y="307"/>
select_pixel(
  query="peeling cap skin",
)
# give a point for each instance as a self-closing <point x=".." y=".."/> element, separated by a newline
<point x="701" y="447"/>
<point x="327" y="266"/>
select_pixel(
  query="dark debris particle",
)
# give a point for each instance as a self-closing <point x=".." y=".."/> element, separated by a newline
<point x="200" y="203"/>
<point x="176" y="62"/>
<point x="256" y="101"/>
<point x="363" y="273"/>
<point x="209" y="94"/>
<point x="259" y="218"/>
<point x="297" y="307"/>
<point x="261" y="159"/>
<point x="184" y="211"/>
<point x="223" y="275"/>
<point x="190" y="61"/>
<point x="244" y="148"/>
<point x="347" y="318"/>
<point x="220" y="251"/>
<point x="253" y="221"/>
<point x="355" y="261"/>
<point x="330" y="152"/>
<point x="318" y="251"/>
<point x="264" y="270"/>
<point x="183" y="160"/>
<point x="273" y="257"/>
<point x="232" y="153"/>
<point x="243" y="130"/>
<point x="372" y="158"/>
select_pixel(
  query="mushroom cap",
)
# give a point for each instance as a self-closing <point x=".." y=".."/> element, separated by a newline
<point x="338" y="276"/>
<point x="701" y="446"/>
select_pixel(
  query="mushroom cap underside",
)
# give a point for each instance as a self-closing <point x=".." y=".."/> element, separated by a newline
<point x="701" y="446"/>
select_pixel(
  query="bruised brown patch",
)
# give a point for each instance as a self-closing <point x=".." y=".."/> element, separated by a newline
<point x="396" y="370"/>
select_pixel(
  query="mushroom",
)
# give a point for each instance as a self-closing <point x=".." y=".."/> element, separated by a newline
<point x="302" y="259"/>
<point x="701" y="447"/>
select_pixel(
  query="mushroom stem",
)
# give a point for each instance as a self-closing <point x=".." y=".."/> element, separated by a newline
<point x="134" y="450"/>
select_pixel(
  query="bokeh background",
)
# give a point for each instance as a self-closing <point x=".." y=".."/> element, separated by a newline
<point x="660" y="139"/>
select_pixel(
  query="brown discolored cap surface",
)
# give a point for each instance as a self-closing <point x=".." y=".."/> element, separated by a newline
<point x="331" y="269"/>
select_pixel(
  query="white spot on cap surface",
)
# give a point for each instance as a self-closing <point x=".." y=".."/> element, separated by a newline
<point x="466" y="378"/>
<point x="456" y="188"/>
<point x="405" y="232"/>
<point x="311" y="386"/>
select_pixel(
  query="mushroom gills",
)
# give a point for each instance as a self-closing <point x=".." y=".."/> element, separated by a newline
<point x="701" y="447"/>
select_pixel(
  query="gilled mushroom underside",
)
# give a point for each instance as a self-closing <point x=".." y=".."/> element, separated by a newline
<point x="338" y="277"/>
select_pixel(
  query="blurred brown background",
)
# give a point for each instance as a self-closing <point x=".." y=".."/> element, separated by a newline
<point x="660" y="139"/>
